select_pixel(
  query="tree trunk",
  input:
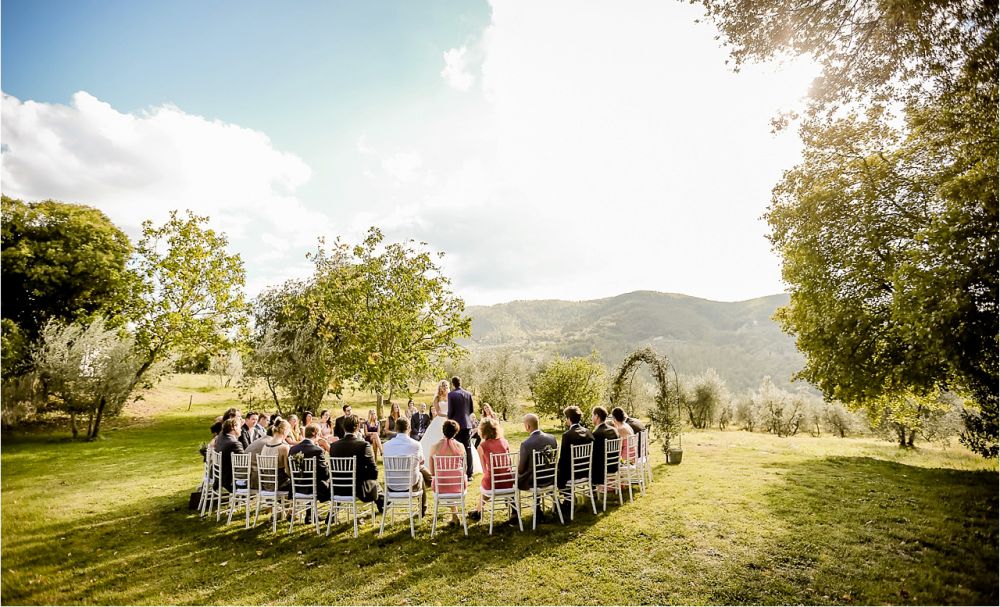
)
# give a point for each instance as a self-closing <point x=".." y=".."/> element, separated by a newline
<point x="909" y="441"/>
<point x="97" y="420"/>
<point x="90" y="422"/>
<point x="72" y="424"/>
<point x="901" y="433"/>
<point x="378" y="405"/>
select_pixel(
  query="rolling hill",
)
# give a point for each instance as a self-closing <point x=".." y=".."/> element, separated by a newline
<point x="738" y="339"/>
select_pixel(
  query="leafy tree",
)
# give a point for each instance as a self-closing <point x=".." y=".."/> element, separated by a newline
<point x="88" y="367"/>
<point x="888" y="228"/>
<point x="838" y="420"/>
<point x="287" y="352"/>
<point x="388" y="310"/>
<point x="189" y="294"/>
<point x="227" y="366"/>
<point x="499" y="379"/>
<point x="704" y="398"/>
<point x="905" y="416"/>
<point x="59" y="261"/>
<point x="568" y="381"/>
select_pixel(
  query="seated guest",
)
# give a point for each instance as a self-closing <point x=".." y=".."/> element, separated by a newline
<point x="389" y="427"/>
<point x="307" y="418"/>
<point x="248" y="430"/>
<point x="575" y="434"/>
<point x="276" y="445"/>
<point x="262" y="424"/>
<point x="231" y="412"/>
<point x="403" y="445"/>
<point x="338" y="426"/>
<point x="366" y="471"/>
<point x="448" y="446"/>
<point x="419" y="422"/>
<point x="309" y="448"/>
<point x="624" y="431"/>
<point x="637" y="427"/>
<point x="227" y="443"/>
<point x="215" y="429"/>
<point x="295" y="434"/>
<point x="536" y="441"/>
<point x="372" y="430"/>
<point x="254" y="449"/>
<point x="326" y="426"/>
<point x="603" y="430"/>
<point x="492" y="443"/>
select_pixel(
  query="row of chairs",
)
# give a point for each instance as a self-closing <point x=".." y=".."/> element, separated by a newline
<point x="450" y="486"/>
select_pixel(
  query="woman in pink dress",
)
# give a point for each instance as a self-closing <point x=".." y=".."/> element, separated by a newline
<point x="624" y="431"/>
<point x="493" y="442"/>
<point x="448" y="446"/>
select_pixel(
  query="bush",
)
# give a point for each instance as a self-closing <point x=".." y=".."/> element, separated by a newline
<point x="568" y="381"/>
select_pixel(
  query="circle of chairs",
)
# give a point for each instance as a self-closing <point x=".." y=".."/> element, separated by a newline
<point x="403" y="486"/>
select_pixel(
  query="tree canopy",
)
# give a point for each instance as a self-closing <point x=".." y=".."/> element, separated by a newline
<point x="888" y="227"/>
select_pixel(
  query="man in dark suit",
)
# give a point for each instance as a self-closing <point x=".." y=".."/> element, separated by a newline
<point x="227" y="444"/>
<point x="536" y="441"/>
<point x="603" y="431"/>
<point x="338" y="424"/>
<point x="419" y="422"/>
<point x="575" y="434"/>
<point x="248" y="432"/>
<point x="460" y="410"/>
<point x="308" y="447"/>
<point x="366" y="486"/>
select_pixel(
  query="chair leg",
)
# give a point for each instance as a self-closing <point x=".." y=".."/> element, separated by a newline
<point x="465" y="520"/>
<point x="410" y="514"/>
<point x="555" y="502"/>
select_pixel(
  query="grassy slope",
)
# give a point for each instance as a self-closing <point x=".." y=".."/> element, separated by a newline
<point x="747" y="518"/>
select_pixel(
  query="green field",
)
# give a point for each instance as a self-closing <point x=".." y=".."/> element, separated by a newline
<point x="747" y="518"/>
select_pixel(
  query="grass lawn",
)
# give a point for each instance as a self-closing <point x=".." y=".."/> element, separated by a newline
<point x="747" y="518"/>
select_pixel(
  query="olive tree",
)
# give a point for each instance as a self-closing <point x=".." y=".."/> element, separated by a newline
<point x="561" y="382"/>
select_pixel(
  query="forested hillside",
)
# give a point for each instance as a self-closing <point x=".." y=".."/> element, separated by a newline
<point x="738" y="339"/>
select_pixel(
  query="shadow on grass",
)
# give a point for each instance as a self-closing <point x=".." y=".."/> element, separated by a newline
<point x="157" y="551"/>
<point x="864" y="530"/>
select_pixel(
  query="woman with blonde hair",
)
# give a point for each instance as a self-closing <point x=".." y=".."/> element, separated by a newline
<point x="372" y="432"/>
<point x="294" y="436"/>
<point x="278" y="445"/>
<point x="439" y="406"/>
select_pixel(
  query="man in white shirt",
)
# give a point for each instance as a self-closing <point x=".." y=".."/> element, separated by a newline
<point x="403" y="445"/>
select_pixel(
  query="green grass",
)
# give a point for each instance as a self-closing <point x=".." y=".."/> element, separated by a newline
<point x="747" y="518"/>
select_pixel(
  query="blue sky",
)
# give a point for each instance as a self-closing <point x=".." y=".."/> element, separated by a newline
<point x="556" y="150"/>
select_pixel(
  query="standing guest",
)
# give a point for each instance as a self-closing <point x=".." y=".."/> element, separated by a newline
<point x="310" y="448"/>
<point x="603" y="431"/>
<point x="248" y="430"/>
<point x="295" y="435"/>
<point x="403" y="445"/>
<point x="448" y="446"/>
<point x="366" y="485"/>
<point x="575" y="434"/>
<point x="460" y="411"/>
<point x="536" y="441"/>
<point x="492" y="443"/>
<point x="372" y="432"/>
<point x="624" y="431"/>
<point x="277" y="445"/>
<point x="228" y="443"/>
<point x="389" y="428"/>
<point x="338" y="426"/>
<point x="419" y="422"/>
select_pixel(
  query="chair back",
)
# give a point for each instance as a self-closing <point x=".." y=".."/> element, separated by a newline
<point x="303" y="476"/>
<point x="342" y="476"/>
<point x="400" y="472"/>
<point x="449" y="474"/>
<point x="503" y="470"/>
<point x="612" y="454"/>
<point x="241" y="470"/>
<point x="631" y="448"/>
<point x="216" y="463"/>
<point x="267" y="473"/>
<point x="581" y="461"/>
<point x="543" y="469"/>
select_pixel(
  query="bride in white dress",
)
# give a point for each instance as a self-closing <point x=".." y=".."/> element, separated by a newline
<point x="434" y="433"/>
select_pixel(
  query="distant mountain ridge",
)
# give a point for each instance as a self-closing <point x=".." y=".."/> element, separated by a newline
<point x="738" y="339"/>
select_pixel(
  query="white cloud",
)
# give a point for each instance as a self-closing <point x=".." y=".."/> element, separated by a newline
<point x="609" y="150"/>
<point x="142" y="166"/>
<point x="456" y="69"/>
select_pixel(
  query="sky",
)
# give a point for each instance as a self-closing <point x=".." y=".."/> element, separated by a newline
<point x="552" y="150"/>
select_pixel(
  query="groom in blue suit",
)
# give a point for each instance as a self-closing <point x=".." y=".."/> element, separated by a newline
<point x="460" y="410"/>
